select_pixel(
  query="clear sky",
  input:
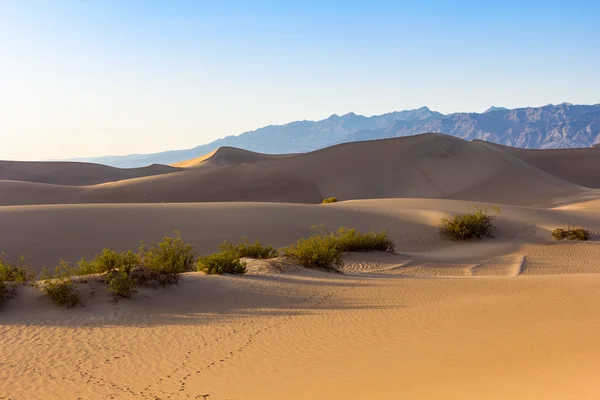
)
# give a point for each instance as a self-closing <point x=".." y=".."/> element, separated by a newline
<point x="109" y="77"/>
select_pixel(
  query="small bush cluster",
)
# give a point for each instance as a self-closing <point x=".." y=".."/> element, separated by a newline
<point x="108" y="260"/>
<point x="172" y="256"/>
<point x="351" y="240"/>
<point x="571" y="234"/>
<point x="120" y="284"/>
<point x="18" y="272"/>
<point x="221" y="263"/>
<point x="245" y="249"/>
<point x="329" y="200"/>
<point x="324" y="250"/>
<point x="12" y="274"/>
<point x="60" y="286"/>
<point x="477" y="225"/>
<point x="227" y="259"/>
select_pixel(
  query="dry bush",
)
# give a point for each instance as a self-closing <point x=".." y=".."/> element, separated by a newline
<point x="329" y="200"/>
<point x="172" y="256"/>
<point x="223" y="262"/>
<point x="60" y="287"/>
<point x="324" y="250"/>
<point x="18" y="272"/>
<point x="245" y="249"/>
<point x="350" y="240"/>
<point x="571" y="234"/>
<point x="108" y="260"/>
<point x="120" y="284"/>
<point x="477" y="225"/>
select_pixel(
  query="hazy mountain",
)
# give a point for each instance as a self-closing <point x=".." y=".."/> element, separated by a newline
<point x="552" y="126"/>
<point x="494" y="108"/>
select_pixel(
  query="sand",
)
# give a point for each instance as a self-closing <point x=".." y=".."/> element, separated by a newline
<point x="422" y="166"/>
<point x="515" y="316"/>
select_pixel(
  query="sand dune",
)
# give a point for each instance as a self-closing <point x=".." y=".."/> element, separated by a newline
<point x="224" y="156"/>
<point x="514" y="317"/>
<point x="426" y="166"/>
<point x="74" y="173"/>
<point x="579" y="166"/>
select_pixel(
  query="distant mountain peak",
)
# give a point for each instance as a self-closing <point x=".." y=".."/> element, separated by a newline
<point x="494" y="108"/>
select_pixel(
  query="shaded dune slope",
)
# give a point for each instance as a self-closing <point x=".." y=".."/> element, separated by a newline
<point x="427" y="166"/>
<point x="579" y="166"/>
<point x="74" y="173"/>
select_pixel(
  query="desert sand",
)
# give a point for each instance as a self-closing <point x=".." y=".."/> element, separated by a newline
<point x="515" y="316"/>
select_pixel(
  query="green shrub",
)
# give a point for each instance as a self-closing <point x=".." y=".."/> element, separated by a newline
<point x="244" y="249"/>
<point x="16" y="273"/>
<point x="329" y="200"/>
<point x="224" y="262"/>
<point x="120" y="284"/>
<point x="324" y="250"/>
<point x="172" y="256"/>
<point x="60" y="287"/>
<point x="350" y="239"/>
<point x="318" y="251"/>
<point x="475" y="225"/>
<point x="571" y="234"/>
<point x="108" y="260"/>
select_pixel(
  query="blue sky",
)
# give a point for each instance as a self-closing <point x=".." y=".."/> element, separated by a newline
<point x="99" y="77"/>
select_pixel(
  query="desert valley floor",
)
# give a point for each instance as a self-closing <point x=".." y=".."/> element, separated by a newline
<point x="512" y="317"/>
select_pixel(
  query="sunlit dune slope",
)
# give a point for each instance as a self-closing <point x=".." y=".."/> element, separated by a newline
<point x="224" y="156"/>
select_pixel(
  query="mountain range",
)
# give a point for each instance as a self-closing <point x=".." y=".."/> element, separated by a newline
<point x="552" y="126"/>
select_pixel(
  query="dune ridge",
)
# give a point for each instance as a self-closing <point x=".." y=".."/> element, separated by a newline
<point x="428" y="166"/>
<point x="74" y="173"/>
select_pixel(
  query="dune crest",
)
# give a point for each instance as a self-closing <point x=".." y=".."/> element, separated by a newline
<point x="427" y="166"/>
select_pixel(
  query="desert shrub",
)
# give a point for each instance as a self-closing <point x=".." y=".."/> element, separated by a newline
<point x="120" y="284"/>
<point x="318" y="251"/>
<point x="571" y="234"/>
<point x="60" y="287"/>
<point x="172" y="256"/>
<point x="324" y="250"/>
<point x="108" y="260"/>
<point x="350" y="239"/>
<point x="18" y="272"/>
<point x="477" y="225"/>
<point x="329" y="200"/>
<point x="223" y="262"/>
<point x="245" y="249"/>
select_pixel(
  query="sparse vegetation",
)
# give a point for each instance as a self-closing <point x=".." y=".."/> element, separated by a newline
<point x="12" y="274"/>
<point x="18" y="272"/>
<point x="329" y="200"/>
<point x="477" y="225"/>
<point x="161" y="263"/>
<point x="571" y="234"/>
<point x="120" y="284"/>
<point x="245" y="249"/>
<point x="223" y="262"/>
<point x="350" y="239"/>
<point x="172" y="256"/>
<point x="324" y="250"/>
<point x="60" y="287"/>
<point x="108" y="260"/>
